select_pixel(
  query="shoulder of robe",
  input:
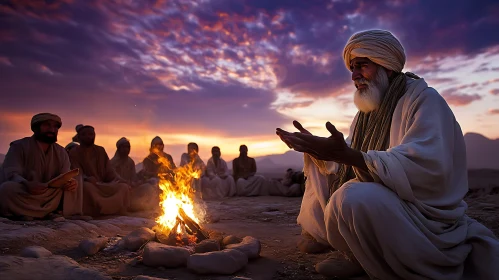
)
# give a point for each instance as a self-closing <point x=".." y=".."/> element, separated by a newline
<point x="131" y="160"/>
<point x="20" y="141"/>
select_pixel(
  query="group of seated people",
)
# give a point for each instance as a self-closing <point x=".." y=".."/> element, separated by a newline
<point x="112" y="186"/>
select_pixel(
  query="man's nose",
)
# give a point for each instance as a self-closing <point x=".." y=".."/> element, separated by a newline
<point x="356" y="75"/>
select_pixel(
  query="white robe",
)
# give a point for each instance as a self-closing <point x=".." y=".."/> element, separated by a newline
<point x="255" y="185"/>
<point x="213" y="185"/>
<point x="411" y="222"/>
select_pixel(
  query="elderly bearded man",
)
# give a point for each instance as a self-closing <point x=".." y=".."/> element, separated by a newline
<point x="30" y="163"/>
<point x="396" y="208"/>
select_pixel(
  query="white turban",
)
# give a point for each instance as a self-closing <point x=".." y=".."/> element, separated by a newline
<point x="380" y="46"/>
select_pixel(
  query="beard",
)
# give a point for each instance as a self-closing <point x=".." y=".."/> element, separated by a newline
<point x="49" y="138"/>
<point x="369" y="99"/>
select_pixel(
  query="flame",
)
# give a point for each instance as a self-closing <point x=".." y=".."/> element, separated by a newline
<point x="177" y="193"/>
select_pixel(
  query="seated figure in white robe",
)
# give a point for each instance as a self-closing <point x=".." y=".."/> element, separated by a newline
<point x="197" y="164"/>
<point x="395" y="208"/>
<point x="218" y="182"/>
<point x="290" y="185"/>
<point x="244" y="172"/>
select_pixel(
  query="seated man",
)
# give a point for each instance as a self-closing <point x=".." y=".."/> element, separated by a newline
<point x="70" y="146"/>
<point x="75" y="138"/>
<point x="244" y="170"/>
<point x="30" y="163"/>
<point x="290" y="185"/>
<point x="157" y="162"/>
<point x="144" y="196"/>
<point x="218" y="182"/>
<point x="396" y="208"/>
<point x="197" y="165"/>
<point x="103" y="192"/>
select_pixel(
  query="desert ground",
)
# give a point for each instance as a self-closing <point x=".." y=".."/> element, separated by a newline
<point x="272" y="220"/>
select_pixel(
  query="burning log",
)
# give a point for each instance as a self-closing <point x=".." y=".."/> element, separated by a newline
<point x="171" y="238"/>
<point x="193" y="226"/>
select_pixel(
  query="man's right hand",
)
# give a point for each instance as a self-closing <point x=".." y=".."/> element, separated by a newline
<point x="92" y="180"/>
<point x="36" y="188"/>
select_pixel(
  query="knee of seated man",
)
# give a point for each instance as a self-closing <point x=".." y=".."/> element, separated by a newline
<point x="10" y="187"/>
<point x="356" y="195"/>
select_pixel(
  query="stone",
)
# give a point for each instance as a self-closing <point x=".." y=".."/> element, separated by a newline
<point x="137" y="238"/>
<point x="53" y="267"/>
<point x="92" y="246"/>
<point x="241" y="278"/>
<point x="143" y="277"/>
<point x="208" y="245"/>
<point x="157" y="254"/>
<point x="35" y="252"/>
<point x="59" y="219"/>
<point x="224" y="262"/>
<point x="231" y="239"/>
<point x="249" y="246"/>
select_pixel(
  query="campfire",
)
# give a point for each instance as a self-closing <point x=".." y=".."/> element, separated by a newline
<point x="179" y="223"/>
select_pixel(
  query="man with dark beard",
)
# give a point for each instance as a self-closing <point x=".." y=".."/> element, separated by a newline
<point x="395" y="209"/>
<point x="30" y="163"/>
<point x="104" y="193"/>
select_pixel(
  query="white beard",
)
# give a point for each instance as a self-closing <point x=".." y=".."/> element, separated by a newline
<point x="369" y="99"/>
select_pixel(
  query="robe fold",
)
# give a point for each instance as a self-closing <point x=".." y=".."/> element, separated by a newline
<point x="409" y="223"/>
<point x="26" y="161"/>
<point x="144" y="196"/>
<point x="108" y="196"/>
<point x="218" y="182"/>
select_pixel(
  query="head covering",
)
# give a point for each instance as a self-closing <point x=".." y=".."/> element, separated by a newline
<point x="156" y="140"/>
<point x="122" y="141"/>
<point x="78" y="127"/>
<point x="380" y="46"/>
<point x="42" y="117"/>
<point x="81" y="127"/>
<point x="71" y="145"/>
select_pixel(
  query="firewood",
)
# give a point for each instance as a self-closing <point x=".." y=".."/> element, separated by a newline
<point x="193" y="226"/>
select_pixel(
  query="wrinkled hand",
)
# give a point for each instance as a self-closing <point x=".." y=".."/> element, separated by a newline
<point x="92" y="180"/>
<point x="332" y="148"/>
<point x="36" y="188"/>
<point x="70" y="185"/>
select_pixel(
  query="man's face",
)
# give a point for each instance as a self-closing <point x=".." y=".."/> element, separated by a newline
<point x="216" y="153"/>
<point x="243" y="151"/>
<point x="124" y="149"/>
<point x="47" y="132"/>
<point x="191" y="150"/>
<point x="159" y="147"/>
<point x="87" y="136"/>
<point x="371" y="81"/>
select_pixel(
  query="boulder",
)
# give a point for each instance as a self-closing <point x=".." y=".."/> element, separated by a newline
<point x="143" y="277"/>
<point x="231" y="239"/>
<point x="208" y="245"/>
<point x="249" y="246"/>
<point x="135" y="239"/>
<point x="225" y="262"/>
<point x="157" y="254"/>
<point x="92" y="246"/>
<point x="35" y="252"/>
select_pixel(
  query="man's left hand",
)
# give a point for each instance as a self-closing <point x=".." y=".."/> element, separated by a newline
<point x="70" y="185"/>
<point x="332" y="148"/>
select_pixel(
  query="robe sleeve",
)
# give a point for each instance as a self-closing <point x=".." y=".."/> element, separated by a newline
<point x="235" y="169"/>
<point x="225" y="168"/>
<point x="184" y="159"/>
<point x="253" y="167"/>
<point x="13" y="164"/>
<point x="110" y="174"/>
<point x="423" y="161"/>
<point x="210" y="168"/>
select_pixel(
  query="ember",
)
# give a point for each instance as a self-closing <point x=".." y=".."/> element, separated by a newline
<point x="179" y="222"/>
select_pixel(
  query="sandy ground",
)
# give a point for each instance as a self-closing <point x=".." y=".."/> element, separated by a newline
<point x="270" y="219"/>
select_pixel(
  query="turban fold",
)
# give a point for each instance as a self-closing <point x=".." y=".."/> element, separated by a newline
<point x="122" y="141"/>
<point x="71" y="145"/>
<point x="81" y="127"/>
<point x="78" y="127"/>
<point x="42" y="117"/>
<point x="156" y="140"/>
<point x="380" y="46"/>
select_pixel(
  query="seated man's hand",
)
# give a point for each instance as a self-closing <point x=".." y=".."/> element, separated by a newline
<point x="70" y="185"/>
<point x="36" y="188"/>
<point x="92" y="180"/>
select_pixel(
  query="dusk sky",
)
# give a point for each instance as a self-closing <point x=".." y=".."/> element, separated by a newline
<point x="228" y="72"/>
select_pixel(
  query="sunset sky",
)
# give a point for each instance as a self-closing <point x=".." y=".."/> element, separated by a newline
<point x="228" y="72"/>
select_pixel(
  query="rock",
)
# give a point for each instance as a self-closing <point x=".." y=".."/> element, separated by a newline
<point x="157" y="254"/>
<point x="249" y="246"/>
<point x="135" y="239"/>
<point x="35" y="252"/>
<point x="208" y="245"/>
<point x="231" y="239"/>
<point x="92" y="246"/>
<point x="143" y="277"/>
<point x="220" y="262"/>
<point x="53" y="267"/>
<point x="59" y="219"/>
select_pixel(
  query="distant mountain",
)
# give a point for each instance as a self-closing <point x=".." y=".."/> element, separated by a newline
<point x="277" y="162"/>
<point x="481" y="152"/>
